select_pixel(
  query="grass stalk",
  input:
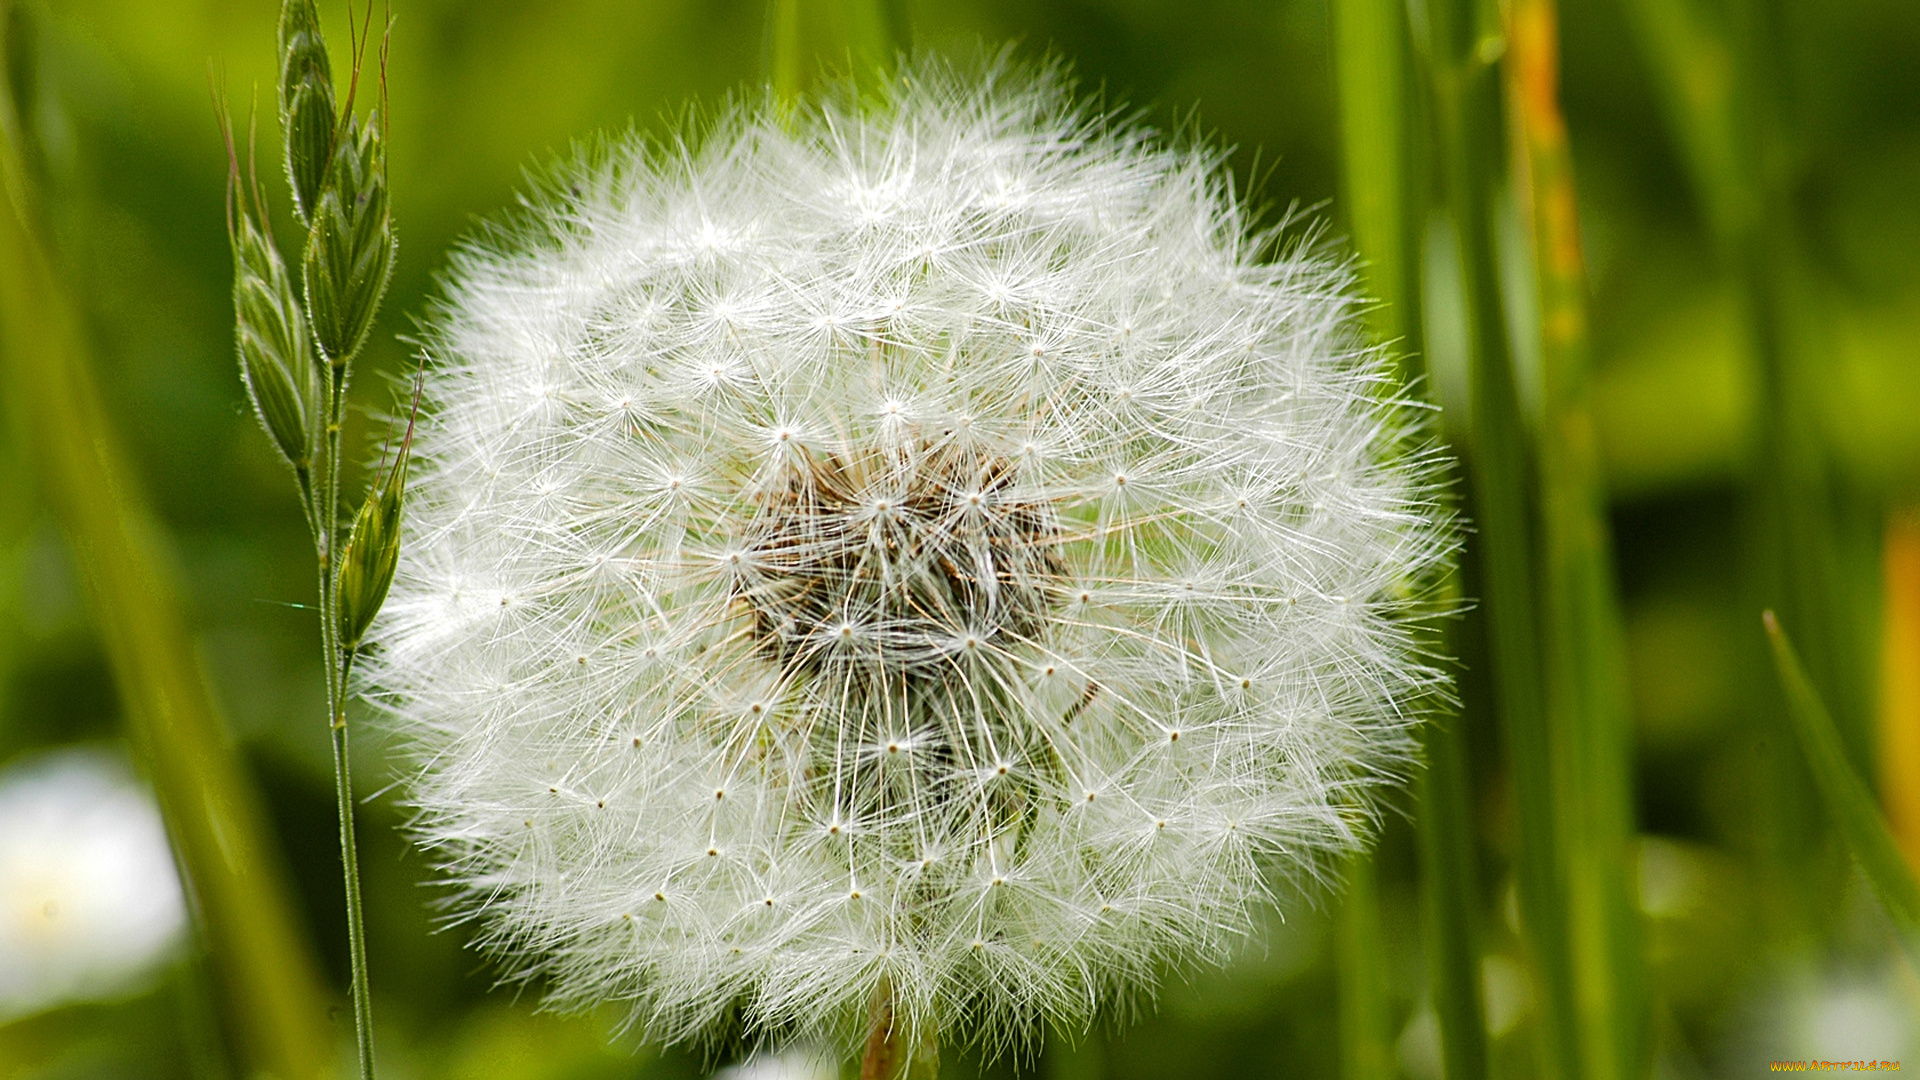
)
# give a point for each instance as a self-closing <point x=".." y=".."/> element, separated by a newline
<point x="1450" y="897"/>
<point x="266" y="972"/>
<point x="1844" y="794"/>
<point x="1370" y="58"/>
<point x="1465" y="43"/>
<point x="1584" y="661"/>
<point x="362" y="992"/>
<point x="1381" y="159"/>
<point x="1366" y="1047"/>
<point x="324" y="515"/>
<point x="807" y="39"/>
<point x="339" y="667"/>
<point x="1373" y="66"/>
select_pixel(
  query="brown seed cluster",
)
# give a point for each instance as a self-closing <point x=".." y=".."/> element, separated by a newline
<point x="924" y="556"/>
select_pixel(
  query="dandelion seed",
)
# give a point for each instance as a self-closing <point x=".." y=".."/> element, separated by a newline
<point x="891" y="559"/>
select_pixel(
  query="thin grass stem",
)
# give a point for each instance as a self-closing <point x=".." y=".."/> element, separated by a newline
<point x="1450" y="896"/>
<point x="350" y="862"/>
<point x="1719" y="81"/>
<point x="807" y="39"/>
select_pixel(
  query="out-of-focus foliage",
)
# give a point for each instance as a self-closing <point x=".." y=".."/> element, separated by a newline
<point x="482" y="90"/>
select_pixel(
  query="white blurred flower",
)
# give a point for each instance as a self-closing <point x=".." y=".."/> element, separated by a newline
<point x="1856" y="1020"/>
<point x="89" y="897"/>
<point x="916" y="550"/>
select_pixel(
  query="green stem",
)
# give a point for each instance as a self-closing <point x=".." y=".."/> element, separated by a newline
<point x="339" y="669"/>
<point x="1450" y="896"/>
<point x="1585" y="665"/>
<point x="1465" y="43"/>
<point x="350" y="862"/>
<point x="1721" y="82"/>
<point x="807" y="38"/>
<point x="1366" y="1053"/>
<point x="1385" y="184"/>
<point x="1383" y="178"/>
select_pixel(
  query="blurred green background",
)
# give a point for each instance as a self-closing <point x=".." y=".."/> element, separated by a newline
<point x="482" y="90"/>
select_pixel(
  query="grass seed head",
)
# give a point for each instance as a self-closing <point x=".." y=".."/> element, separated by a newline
<point x="306" y="103"/>
<point x="276" y="361"/>
<point x="349" y="256"/>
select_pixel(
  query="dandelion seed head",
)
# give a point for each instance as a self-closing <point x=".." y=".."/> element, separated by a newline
<point x="936" y="552"/>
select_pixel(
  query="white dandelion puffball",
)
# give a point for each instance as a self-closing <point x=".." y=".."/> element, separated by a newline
<point x="910" y="552"/>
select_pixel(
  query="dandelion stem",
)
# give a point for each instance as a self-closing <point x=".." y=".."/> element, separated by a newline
<point x="891" y="1052"/>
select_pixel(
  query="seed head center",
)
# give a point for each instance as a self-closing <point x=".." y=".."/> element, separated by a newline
<point x="918" y="556"/>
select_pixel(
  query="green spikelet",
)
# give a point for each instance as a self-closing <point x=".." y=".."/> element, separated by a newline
<point x="350" y="248"/>
<point x="270" y="333"/>
<point x="306" y="103"/>
<point x="372" y="551"/>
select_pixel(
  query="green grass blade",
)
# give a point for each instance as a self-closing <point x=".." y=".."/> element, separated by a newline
<point x="1844" y="795"/>
<point x="1366" y="1050"/>
<point x="1382" y="178"/>
<point x="1369" y="67"/>
<point x="1693" y="70"/>
<point x="270" y="978"/>
<point x="1463" y="46"/>
<point x="1450" y="896"/>
<point x="1584" y="661"/>
<point x="809" y="39"/>
<point x="1385" y="208"/>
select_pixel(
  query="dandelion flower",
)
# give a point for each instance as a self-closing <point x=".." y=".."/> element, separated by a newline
<point x="914" y="553"/>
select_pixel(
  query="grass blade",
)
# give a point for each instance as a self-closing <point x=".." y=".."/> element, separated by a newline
<point x="1365" y="1050"/>
<point x="809" y="38"/>
<point x="1384" y="186"/>
<point x="1843" y="794"/>
<point x="1450" y="895"/>
<point x="1584" y="659"/>
<point x="1723" y="83"/>
<point x="1464" y="44"/>
<point x="1372" y="70"/>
